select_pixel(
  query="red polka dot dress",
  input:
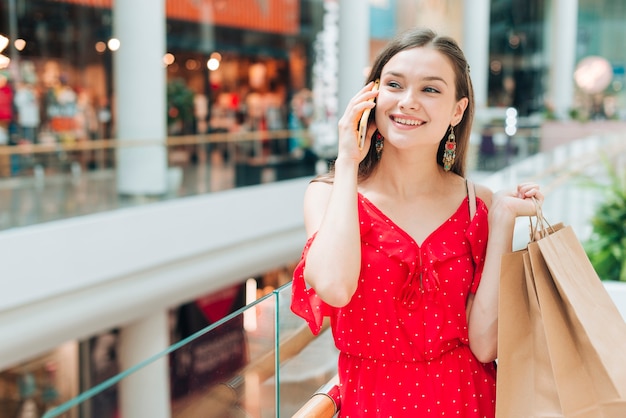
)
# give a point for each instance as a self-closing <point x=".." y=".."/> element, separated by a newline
<point x="403" y="337"/>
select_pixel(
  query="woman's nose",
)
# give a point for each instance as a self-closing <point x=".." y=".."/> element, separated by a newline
<point x="409" y="100"/>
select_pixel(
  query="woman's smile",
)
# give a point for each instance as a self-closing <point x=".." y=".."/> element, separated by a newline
<point x="406" y="121"/>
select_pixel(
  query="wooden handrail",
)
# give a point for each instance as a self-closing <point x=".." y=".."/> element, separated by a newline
<point x="323" y="404"/>
<point x="102" y="144"/>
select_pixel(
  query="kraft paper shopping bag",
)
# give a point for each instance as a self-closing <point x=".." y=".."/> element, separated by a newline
<point x="525" y="381"/>
<point x="585" y="333"/>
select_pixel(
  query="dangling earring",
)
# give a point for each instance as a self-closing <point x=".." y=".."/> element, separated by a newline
<point x="379" y="144"/>
<point x="449" y="151"/>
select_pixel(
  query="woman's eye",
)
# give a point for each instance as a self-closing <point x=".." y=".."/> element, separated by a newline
<point x="393" y="84"/>
<point x="431" y="90"/>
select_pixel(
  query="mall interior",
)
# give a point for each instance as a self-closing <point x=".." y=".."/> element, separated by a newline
<point x="153" y="160"/>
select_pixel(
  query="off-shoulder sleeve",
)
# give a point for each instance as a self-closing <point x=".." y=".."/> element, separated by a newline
<point x="305" y="302"/>
<point x="477" y="235"/>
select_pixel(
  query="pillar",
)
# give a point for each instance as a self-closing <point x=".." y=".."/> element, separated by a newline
<point x="563" y="18"/>
<point x="13" y="35"/>
<point x="146" y="392"/>
<point x="476" y="17"/>
<point x="354" y="47"/>
<point x="140" y="97"/>
<point x="475" y="44"/>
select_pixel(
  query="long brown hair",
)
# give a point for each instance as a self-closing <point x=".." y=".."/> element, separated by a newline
<point x="419" y="37"/>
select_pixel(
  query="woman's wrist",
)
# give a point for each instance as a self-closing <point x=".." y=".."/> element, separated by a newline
<point x="501" y="215"/>
<point x="345" y="165"/>
<point x="346" y="177"/>
<point x="346" y="162"/>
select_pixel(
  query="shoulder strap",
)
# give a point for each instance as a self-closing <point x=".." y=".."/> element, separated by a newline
<point x="471" y="197"/>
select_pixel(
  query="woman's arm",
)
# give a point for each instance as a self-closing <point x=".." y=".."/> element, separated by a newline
<point x="504" y="208"/>
<point x="333" y="263"/>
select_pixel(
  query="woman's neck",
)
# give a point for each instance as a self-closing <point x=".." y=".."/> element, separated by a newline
<point x="408" y="174"/>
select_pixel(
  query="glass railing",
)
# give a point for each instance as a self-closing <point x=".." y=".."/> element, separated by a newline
<point x="62" y="179"/>
<point x="282" y="149"/>
<point x="264" y="362"/>
<point x="307" y="362"/>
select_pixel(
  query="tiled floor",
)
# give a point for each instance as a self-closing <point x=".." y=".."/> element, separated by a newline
<point x="30" y="199"/>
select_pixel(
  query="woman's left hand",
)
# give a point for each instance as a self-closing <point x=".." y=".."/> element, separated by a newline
<point x="523" y="201"/>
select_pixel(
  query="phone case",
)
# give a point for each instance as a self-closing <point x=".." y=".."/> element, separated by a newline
<point x="364" y="119"/>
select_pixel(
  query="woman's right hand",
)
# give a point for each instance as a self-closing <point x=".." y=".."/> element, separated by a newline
<point x="348" y="146"/>
<point x="334" y="258"/>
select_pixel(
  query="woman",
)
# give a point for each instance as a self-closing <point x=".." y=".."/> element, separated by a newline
<point x="401" y="254"/>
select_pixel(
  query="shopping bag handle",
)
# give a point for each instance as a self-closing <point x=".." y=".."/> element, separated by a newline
<point x="541" y="228"/>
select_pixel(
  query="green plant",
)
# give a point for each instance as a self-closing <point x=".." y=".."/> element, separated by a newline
<point x="179" y="102"/>
<point x="606" y="246"/>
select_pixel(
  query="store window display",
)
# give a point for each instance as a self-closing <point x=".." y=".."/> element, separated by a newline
<point x="27" y="106"/>
<point x="32" y="388"/>
<point x="6" y="107"/>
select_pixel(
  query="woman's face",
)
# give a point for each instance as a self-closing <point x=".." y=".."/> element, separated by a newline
<point x="417" y="100"/>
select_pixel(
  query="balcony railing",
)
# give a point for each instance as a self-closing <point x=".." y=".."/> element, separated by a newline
<point x="278" y="149"/>
<point x="279" y="365"/>
<point x="84" y="173"/>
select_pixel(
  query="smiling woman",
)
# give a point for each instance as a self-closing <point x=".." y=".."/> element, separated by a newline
<point x="403" y="251"/>
<point x="411" y="96"/>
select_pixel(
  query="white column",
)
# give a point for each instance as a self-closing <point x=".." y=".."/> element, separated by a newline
<point x="13" y="35"/>
<point x="562" y="55"/>
<point x="354" y="47"/>
<point x="145" y="393"/>
<point x="475" y="44"/>
<point x="476" y="47"/>
<point x="140" y="96"/>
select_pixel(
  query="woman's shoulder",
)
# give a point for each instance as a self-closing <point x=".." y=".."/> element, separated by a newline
<point x="316" y="199"/>
<point x="318" y="189"/>
<point x="484" y="193"/>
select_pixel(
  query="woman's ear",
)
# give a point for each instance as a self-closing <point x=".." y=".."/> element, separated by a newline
<point x="459" y="110"/>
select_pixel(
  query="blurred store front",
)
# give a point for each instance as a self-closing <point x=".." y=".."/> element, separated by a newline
<point x="525" y="48"/>
<point x="229" y="69"/>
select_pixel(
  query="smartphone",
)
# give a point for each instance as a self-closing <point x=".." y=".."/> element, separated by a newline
<point x="365" y="119"/>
